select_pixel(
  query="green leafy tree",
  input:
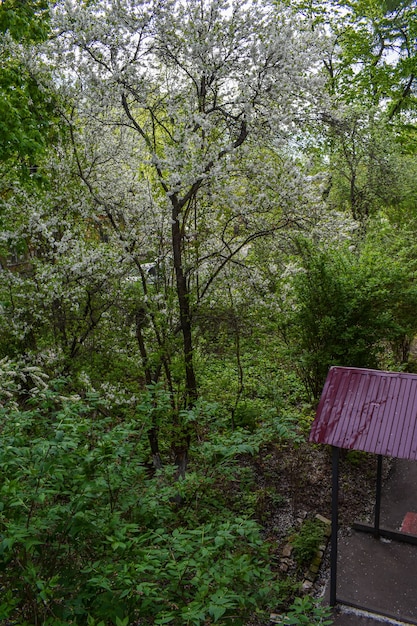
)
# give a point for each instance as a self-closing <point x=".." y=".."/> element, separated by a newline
<point x="370" y="57"/>
<point x="347" y="308"/>
<point x="370" y="68"/>
<point x="27" y="106"/>
<point x="368" y="171"/>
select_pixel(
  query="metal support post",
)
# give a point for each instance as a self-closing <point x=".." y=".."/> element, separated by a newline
<point x="378" y="497"/>
<point x="335" y="523"/>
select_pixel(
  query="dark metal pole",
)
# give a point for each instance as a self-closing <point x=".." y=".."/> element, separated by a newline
<point x="335" y="523"/>
<point x="378" y="496"/>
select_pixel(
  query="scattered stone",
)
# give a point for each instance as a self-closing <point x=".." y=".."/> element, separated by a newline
<point x="309" y="576"/>
<point x="327" y="524"/>
<point x="301" y="517"/>
<point x="323" y="519"/>
<point x="287" y="550"/>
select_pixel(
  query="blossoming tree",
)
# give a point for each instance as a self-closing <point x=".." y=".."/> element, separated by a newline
<point x="178" y="114"/>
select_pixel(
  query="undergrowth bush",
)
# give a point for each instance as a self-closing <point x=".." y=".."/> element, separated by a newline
<point x="87" y="537"/>
<point x="307" y="541"/>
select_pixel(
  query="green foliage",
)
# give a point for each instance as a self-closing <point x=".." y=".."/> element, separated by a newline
<point x="330" y="320"/>
<point x="370" y="72"/>
<point x="368" y="170"/>
<point x="307" y="611"/>
<point x="307" y="541"/>
<point x="360" y="69"/>
<point x="267" y="388"/>
<point x="355" y="457"/>
<point x="25" y="21"/>
<point x="28" y="121"/>
<point x="26" y="115"/>
<point x="86" y="537"/>
<point x="346" y="308"/>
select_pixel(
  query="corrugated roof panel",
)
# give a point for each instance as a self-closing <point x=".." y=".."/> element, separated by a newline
<point x="404" y="427"/>
<point x="379" y="419"/>
<point x="411" y="434"/>
<point x="359" y="431"/>
<point x="391" y="429"/>
<point x="368" y="410"/>
<point x="413" y="450"/>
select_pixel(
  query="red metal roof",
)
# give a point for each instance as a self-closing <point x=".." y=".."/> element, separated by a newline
<point x="368" y="410"/>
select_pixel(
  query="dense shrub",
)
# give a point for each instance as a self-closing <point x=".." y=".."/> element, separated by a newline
<point x="346" y="308"/>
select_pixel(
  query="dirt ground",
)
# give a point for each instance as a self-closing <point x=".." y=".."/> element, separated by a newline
<point x="295" y="483"/>
<point x="298" y="481"/>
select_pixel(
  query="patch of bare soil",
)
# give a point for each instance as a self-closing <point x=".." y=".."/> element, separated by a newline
<point x="294" y="483"/>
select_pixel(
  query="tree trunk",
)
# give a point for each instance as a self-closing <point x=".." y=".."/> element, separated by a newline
<point x="181" y="444"/>
<point x="153" y="434"/>
<point x="184" y="308"/>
